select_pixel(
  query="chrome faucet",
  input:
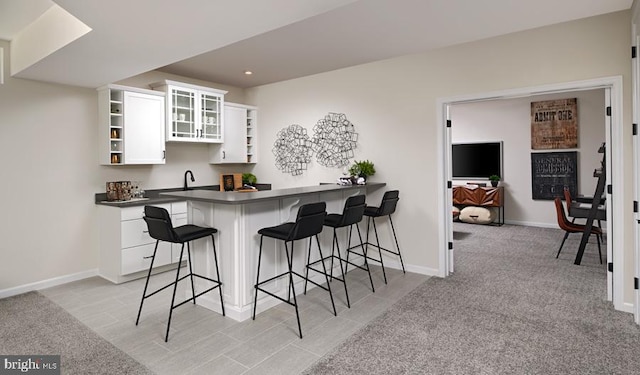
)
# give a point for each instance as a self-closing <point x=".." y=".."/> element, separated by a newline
<point x="185" y="187"/>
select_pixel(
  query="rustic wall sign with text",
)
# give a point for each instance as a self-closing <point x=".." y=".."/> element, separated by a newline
<point x="554" y="124"/>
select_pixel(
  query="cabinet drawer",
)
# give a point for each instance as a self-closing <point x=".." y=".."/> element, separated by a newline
<point x="138" y="258"/>
<point x="137" y="212"/>
<point x="179" y="208"/>
<point x="135" y="233"/>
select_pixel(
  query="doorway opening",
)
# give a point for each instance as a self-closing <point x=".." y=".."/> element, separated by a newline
<point x="612" y="87"/>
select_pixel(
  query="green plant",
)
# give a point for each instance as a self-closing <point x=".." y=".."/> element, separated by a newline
<point x="249" y="179"/>
<point x="494" y="177"/>
<point x="362" y="169"/>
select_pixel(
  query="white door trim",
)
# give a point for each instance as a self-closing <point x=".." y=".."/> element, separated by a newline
<point x="615" y="175"/>
<point x="635" y="79"/>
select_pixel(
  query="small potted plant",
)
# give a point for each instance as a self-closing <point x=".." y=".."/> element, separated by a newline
<point x="362" y="169"/>
<point x="494" y="178"/>
<point x="249" y="179"/>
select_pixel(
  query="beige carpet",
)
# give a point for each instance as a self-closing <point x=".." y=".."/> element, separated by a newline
<point x="510" y="308"/>
<point x="31" y="324"/>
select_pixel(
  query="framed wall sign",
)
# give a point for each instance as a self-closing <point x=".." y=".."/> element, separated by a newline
<point x="551" y="172"/>
<point x="554" y="124"/>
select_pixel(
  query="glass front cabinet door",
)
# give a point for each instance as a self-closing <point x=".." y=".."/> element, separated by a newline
<point x="193" y="112"/>
<point x="182" y="125"/>
<point x="210" y="106"/>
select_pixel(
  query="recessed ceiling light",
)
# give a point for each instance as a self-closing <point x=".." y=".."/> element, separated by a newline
<point x="248" y="72"/>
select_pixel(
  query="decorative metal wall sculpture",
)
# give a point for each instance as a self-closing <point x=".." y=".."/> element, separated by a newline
<point x="334" y="140"/>
<point x="292" y="150"/>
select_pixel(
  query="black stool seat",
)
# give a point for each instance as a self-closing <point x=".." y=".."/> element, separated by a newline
<point x="387" y="208"/>
<point x="351" y="215"/>
<point x="308" y="224"/>
<point x="280" y="232"/>
<point x="190" y="232"/>
<point x="161" y="229"/>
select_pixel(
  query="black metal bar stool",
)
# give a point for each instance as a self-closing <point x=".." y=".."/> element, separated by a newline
<point x="351" y="214"/>
<point x="308" y="224"/>
<point x="160" y="228"/>
<point x="387" y="208"/>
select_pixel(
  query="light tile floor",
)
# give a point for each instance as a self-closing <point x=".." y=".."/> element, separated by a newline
<point x="204" y="342"/>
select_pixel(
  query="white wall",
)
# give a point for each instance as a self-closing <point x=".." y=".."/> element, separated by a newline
<point x="49" y="165"/>
<point x="393" y="106"/>
<point x="48" y="148"/>
<point x="510" y="121"/>
<point x="48" y="138"/>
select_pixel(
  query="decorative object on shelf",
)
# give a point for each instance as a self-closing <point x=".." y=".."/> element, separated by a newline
<point x="494" y="178"/>
<point x="118" y="191"/>
<point x="554" y="124"/>
<point x="334" y="139"/>
<point x="362" y="169"/>
<point x="249" y="179"/>
<point x="292" y="150"/>
<point x="228" y="182"/>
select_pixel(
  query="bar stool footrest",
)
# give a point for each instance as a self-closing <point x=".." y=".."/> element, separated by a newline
<point x="322" y="272"/>
<point x="164" y="287"/>
<point x="381" y="248"/>
<point x="193" y="298"/>
<point x="288" y="302"/>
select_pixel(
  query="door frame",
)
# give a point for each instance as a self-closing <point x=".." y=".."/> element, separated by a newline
<point x="635" y="115"/>
<point x="615" y="175"/>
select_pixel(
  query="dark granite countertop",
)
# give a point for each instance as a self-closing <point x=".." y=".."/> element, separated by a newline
<point x="157" y="196"/>
<point x="248" y="197"/>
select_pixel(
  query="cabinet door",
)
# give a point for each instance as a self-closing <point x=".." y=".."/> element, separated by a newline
<point x="143" y="129"/>
<point x="210" y="117"/>
<point x="234" y="148"/>
<point x="182" y="112"/>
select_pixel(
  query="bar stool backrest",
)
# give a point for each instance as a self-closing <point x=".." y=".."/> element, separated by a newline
<point x="159" y="224"/>
<point x="309" y="221"/>
<point x="389" y="202"/>
<point x="353" y="210"/>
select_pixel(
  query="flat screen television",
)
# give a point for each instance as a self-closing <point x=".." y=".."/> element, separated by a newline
<point x="476" y="160"/>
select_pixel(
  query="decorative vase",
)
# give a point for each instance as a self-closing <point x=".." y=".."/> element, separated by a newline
<point x="494" y="183"/>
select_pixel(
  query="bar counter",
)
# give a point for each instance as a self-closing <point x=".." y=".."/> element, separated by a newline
<point x="238" y="216"/>
<point x="233" y="197"/>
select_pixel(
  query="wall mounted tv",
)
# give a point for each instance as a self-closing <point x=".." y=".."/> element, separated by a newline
<point x="477" y="160"/>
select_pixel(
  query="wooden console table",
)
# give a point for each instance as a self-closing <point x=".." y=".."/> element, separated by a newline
<point x="481" y="196"/>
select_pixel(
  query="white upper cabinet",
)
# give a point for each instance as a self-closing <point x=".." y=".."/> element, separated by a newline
<point x="132" y="125"/>
<point x="239" y="136"/>
<point x="194" y="113"/>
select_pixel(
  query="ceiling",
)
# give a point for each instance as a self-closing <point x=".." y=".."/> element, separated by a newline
<point x="217" y="40"/>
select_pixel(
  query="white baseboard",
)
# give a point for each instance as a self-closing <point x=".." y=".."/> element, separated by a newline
<point x="532" y="224"/>
<point x="4" y="293"/>
<point x="626" y="307"/>
<point x="411" y="268"/>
